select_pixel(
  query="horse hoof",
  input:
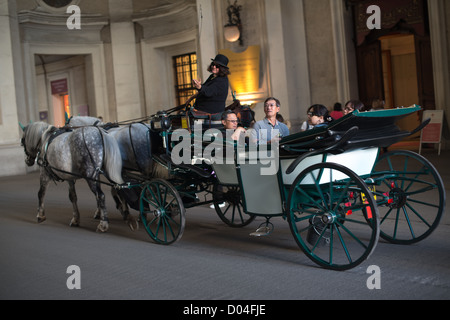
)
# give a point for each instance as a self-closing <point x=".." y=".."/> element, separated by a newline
<point x="41" y="219"/>
<point x="102" y="226"/>
<point x="74" y="223"/>
<point x="133" y="225"/>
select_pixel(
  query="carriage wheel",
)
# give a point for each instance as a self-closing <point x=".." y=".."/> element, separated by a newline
<point x="229" y="206"/>
<point x="411" y="197"/>
<point x="162" y="212"/>
<point x="333" y="216"/>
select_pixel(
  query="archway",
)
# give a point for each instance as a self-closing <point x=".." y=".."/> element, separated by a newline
<point x="404" y="36"/>
<point x="394" y="63"/>
<point x="61" y="87"/>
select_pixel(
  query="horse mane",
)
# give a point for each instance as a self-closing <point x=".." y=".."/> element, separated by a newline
<point x="80" y="121"/>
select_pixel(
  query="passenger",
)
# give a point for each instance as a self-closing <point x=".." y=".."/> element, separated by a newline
<point x="353" y="105"/>
<point x="212" y="94"/>
<point x="378" y="104"/>
<point x="337" y="111"/>
<point x="281" y="119"/>
<point x="270" y="129"/>
<point x="230" y="122"/>
<point x="307" y="125"/>
<point x="319" y="115"/>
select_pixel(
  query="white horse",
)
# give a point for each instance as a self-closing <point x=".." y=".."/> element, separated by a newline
<point x="68" y="155"/>
<point x="136" y="143"/>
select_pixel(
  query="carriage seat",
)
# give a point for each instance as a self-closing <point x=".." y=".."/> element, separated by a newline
<point x="209" y="120"/>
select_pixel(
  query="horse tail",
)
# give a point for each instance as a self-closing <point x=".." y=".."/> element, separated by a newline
<point x="112" y="158"/>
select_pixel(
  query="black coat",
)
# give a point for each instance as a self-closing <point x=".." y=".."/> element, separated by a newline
<point x="212" y="95"/>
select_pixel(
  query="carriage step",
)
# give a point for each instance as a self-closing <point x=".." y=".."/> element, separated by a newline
<point x="263" y="230"/>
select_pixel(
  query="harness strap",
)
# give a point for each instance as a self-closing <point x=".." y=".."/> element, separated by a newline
<point x="42" y="159"/>
<point x="98" y="169"/>
<point x="132" y="146"/>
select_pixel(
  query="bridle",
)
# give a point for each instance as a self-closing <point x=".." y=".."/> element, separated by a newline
<point x="30" y="159"/>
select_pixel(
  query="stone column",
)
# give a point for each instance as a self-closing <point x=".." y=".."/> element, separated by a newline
<point x="11" y="153"/>
<point x="124" y="60"/>
<point x="440" y="53"/>
<point x="207" y="36"/>
<point x="277" y="56"/>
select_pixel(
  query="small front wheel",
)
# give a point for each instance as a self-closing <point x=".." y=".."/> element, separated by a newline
<point x="162" y="212"/>
<point x="229" y="206"/>
<point x="333" y="216"/>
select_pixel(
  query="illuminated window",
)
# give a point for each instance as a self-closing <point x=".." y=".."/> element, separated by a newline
<point x="66" y="105"/>
<point x="185" y="67"/>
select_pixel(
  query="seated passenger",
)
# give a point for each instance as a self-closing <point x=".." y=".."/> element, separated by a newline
<point x="353" y="105"/>
<point x="281" y="119"/>
<point x="307" y="124"/>
<point x="337" y="113"/>
<point x="230" y="122"/>
<point x="319" y="115"/>
<point x="270" y="129"/>
<point x="378" y="104"/>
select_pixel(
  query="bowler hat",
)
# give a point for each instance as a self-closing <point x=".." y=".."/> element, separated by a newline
<point x="221" y="60"/>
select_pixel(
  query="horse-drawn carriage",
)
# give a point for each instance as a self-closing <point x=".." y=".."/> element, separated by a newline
<point x="337" y="186"/>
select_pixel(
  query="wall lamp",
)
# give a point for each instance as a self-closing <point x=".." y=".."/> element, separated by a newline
<point x="233" y="29"/>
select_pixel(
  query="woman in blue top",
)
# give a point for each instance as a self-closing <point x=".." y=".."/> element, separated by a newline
<point x="270" y="129"/>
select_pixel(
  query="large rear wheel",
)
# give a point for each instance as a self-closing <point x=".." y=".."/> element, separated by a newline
<point x="410" y="195"/>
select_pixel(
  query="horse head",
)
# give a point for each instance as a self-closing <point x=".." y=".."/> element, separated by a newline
<point x="32" y="140"/>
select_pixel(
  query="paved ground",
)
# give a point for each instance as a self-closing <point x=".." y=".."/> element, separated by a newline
<point x="212" y="261"/>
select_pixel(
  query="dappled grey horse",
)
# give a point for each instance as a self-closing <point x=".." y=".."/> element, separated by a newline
<point x="135" y="146"/>
<point x="68" y="155"/>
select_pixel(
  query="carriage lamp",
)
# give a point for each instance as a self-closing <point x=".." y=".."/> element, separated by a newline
<point x="166" y="124"/>
<point x="161" y="121"/>
<point x="233" y="29"/>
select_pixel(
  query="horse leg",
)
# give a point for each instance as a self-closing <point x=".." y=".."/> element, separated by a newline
<point x="75" y="222"/>
<point x="44" y="180"/>
<point x="97" y="214"/>
<point x="122" y="206"/>
<point x="101" y="208"/>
